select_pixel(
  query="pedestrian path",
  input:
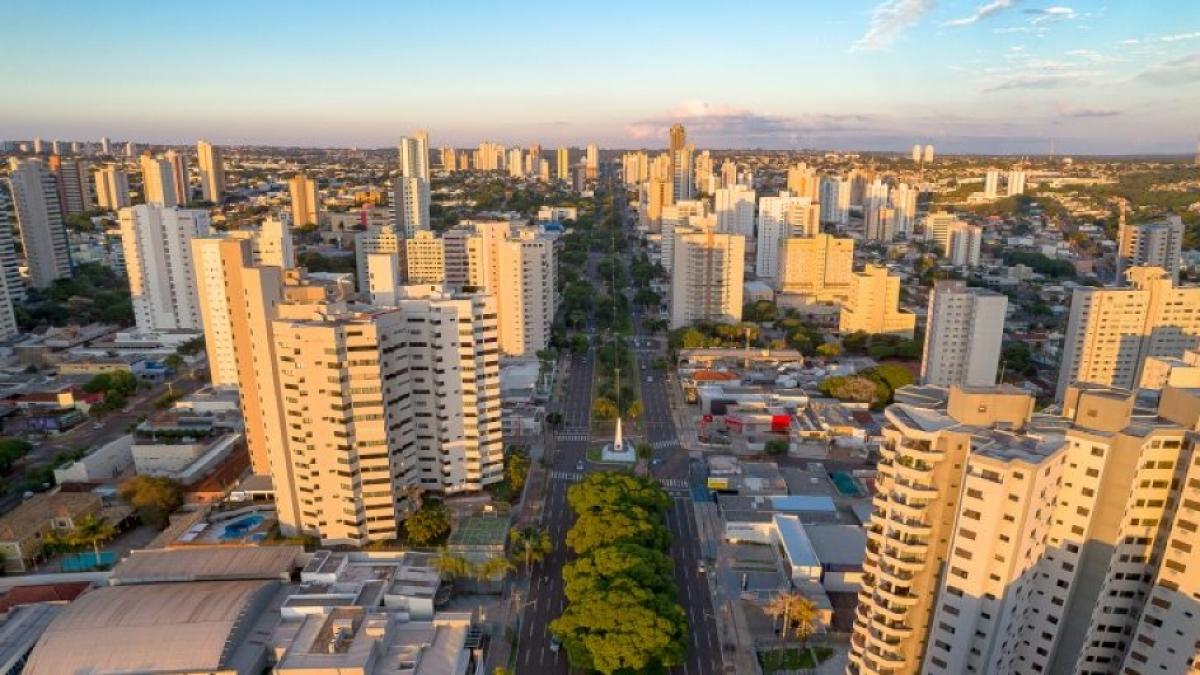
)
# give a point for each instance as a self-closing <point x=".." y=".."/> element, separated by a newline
<point x="673" y="483"/>
<point x="570" y="476"/>
<point x="573" y="434"/>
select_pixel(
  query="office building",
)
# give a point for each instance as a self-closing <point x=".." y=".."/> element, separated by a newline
<point x="212" y="171"/>
<point x="780" y="217"/>
<point x="874" y="305"/>
<point x="158" y="181"/>
<point x="425" y="257"/>
<point x="1111" y="331"/>
<point x="74" y="190"/>
<point x="963" y="335"/>
<point x="963" y="243"/>
<point x="819" y="268"/>
<point x="112" y="187"/>
<point x="306" y="200"/>
<point x="1155" y="244"/>
<point x="735" y="210"/>
<point x="411" y="201"/>
<point x="414" y="156"/>
<point x="991" y="183"/>
<point x="157" y="242"/>
<point x="39" y="217"/>
<point x="1016" y="182"/>
<point x="707" y="278"/>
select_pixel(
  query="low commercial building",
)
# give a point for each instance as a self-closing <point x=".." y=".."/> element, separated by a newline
<point x="23" y="529"/>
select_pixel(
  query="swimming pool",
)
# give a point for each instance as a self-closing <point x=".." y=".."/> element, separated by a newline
<point x="845" y="483"/>
<point x="239" y="527"/>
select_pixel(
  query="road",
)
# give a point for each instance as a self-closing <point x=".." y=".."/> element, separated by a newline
<point x="670" y="465"/>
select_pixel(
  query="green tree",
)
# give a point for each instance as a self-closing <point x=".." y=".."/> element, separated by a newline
<point x="644" y="450"/>
<point x="450" y="565"/>
<point x="532" y="543"/>
<point x="516" y="469"/>
<point x="615" y="525"/>
<point x="829" y="350"/>
<point x="153" y="497"/>
<point x="611" y="489"/>
<point x="603" y="408"/>
<point x="799" y="614"/>
<point x="776" y="447"/>
<point x="616" y="565"/>
<point x="492" y="569"/>
<point x="623" y="630"/>
<point x="428" y="524"/>
<point x="91" y="530"/>
<point x="634" y="410"/>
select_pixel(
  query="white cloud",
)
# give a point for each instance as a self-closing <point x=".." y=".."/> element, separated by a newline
<point x="1051" y="14"/>
<point x="1183" y="70"/>
<point x="1180" y="36"/>
<point x="889" y="20"/>
<point x="1130" y="41"/>
<point x="981" y="12"/>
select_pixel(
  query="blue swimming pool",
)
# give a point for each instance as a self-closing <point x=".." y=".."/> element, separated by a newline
<point x="845" y="483"/>
<point x="238" y="527"/>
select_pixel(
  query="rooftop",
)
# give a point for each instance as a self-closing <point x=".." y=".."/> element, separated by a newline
<point x="32" y="515"/>
<point x="198" y="563"/>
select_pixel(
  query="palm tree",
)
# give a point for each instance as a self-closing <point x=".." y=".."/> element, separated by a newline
<point x="450" y="565"/>
<point x="491" y="568"/>
<point x="533" y="543"/>
<point x="92" y="530"/>
<point x="797" y="611"/>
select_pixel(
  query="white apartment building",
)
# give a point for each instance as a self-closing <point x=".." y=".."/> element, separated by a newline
<point x="963" y="242"/>
<point x="273" y="244"/>
<point x="374" y="239"/>
<point x="873" y="305"/>
<point x="425" y="256"/>
<point x="963" y="335"/>
<point x="820" y="268"/>
<point x="689" y="215"/>
<point x="707" y="278"/>
<point x="780" y="217"/>
<point x="1157" y="244"/>
<point x="735" y="210"/>
<point x="835" y="201"/>
<point x="903" y="200"/>
<point x="157" y="243"/>
<point x="1016" y="182"/>
<point x="414" y="156"/>
<point x="11" y="287"/>
<point x="40" y="219"/>
<point x="411" y="200"/>
<point x="112" y="187"/>
<point x="1111" y="331"/>
<point x="991" y="183"/>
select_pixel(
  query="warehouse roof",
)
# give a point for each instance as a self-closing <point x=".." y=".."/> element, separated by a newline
<point x="199" y="563"/>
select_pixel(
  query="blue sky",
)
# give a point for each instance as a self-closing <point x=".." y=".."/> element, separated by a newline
<point x="968" y="76"/>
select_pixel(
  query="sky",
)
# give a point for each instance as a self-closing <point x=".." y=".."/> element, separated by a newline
<point x="985" y="76"/>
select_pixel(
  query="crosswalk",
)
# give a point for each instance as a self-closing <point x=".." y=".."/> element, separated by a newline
<point x="673" y="483"/>
<point x="573" y="435"/>
<point x="569" y="476"/>
<point x="665" y="444"/>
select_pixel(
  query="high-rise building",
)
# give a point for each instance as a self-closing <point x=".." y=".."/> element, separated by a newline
<point x="937" y="229"/>
<point x="659" y="195"/>
<point x="10" y="265"/>
<point x="179" y="176"/>
<point x="735" y="210"/>
<point x="158" y="181"/>
<point x="40" y="219"/>
<point x="879" y="222"/>
<point x="414" y="156"/>
<point x="916" y="505"/>
<point x="306" y="200"/>
<point x="74" y="192"/>
<point x="729" y="174"/>
<point x="835" y="201"/>
<point x="691" y="215"/>
<point x="683" y="187"/>
<point x="803" y="181"/>
<point x="516" y="163"/>
<point x="105" y="147"/>
<point x="963" y="335"/>
<point x="562" y="168"/>
<point x="707" y="276"/>
<point x="592" y="161"/>
<point x="411" y="200"/>
<point x="635" y="168"/>
<point x="991" y="183"/>
<point x="130" y="149"/>
<point x="157" y="242"/>
<point x="1156" y="244"/>
<point x="272" y="243"/>
<point x="112" y="187"/>
<point x="448" y="159"/>
<point x="780" y="217"/>
<point x="375" y="239"/>
<point x="425" y="256"/>
<point x="1016" y="182"/>
<point x="212" y="171"/>
<point x="703" y="180"/>
<point x="517" y="265"/>
<point x="916" y="152"/>
<point x="903" y="200"/>
<point x="1111" y="331"/>
<point x="676" y="138"/>
<point x="963" y="244"/>
<point x="818" y="268"/>
<point x="874" y="305"/>
<point x="928" y="156"/>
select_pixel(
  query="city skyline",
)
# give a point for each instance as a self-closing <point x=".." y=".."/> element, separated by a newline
<point x="1012" y="77"/>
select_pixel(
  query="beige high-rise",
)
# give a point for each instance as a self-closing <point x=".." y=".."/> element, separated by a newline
<point x="74" y="193"/>
<point x="306" y="201"/>
<point x="112" y="187"/>
<point x="820" y="268"/>
<point x="425" y="255"/>
<point x="1111" y="331"/>
<point x="1156" y="244"/>
<point x="179" y="177"/>
<point x="40" y="219"/>
<point x="873" y="306"/>
<point x="562" y="169"/>
<point x="158" y="181"/>
<point x="963" y="335"/>
<point x="707" y="278"/>
<point x="212" y="171"/>
<point x="157" y="242"/>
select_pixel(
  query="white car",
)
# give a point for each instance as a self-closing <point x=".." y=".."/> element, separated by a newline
<point x="554" y="644"/>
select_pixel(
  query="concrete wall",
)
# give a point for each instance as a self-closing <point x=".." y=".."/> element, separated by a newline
<point x="103" y="464"/>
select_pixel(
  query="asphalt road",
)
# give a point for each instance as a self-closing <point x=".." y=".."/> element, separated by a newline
<point x="669" y="464"/>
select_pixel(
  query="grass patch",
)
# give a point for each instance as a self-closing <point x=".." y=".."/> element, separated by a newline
<point x="779" y="660"/>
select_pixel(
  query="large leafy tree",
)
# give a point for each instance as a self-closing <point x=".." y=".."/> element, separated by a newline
<point x="154" y="497"/>
<point x="611" y="526"/>
<point x="430" y="523"/>
<point x="616" y="565"/>
<point x="626" y="629"/>
<point x="608" y="489"/>
<point x="531" y="543"/>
